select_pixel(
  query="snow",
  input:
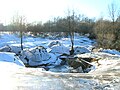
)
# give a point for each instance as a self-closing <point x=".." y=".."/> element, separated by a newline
<point x="63" y="69"/>
<point x="60" y="50"/>
<point x="114" y="52"/>
<point x="54" y="60"/>
<point x="104" y="74"/>
<point x="81" y="50"/>
<point x="14" y="77"/>
<point x="35" y="56"/>
<point x="10" y="57"/>
<point x="54" y="43"/>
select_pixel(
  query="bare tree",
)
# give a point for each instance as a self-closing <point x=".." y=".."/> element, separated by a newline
<point x="113" y="12"/>
<point x="71" y="29"/>
<point x="19" y="23"/>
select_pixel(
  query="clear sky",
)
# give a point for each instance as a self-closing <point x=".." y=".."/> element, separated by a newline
<point x="43" y="10"/>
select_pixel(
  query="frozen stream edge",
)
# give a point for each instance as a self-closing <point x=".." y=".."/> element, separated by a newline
<point x="14" y="77"/>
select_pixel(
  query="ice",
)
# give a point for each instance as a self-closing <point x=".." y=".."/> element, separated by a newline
<point x="10" y="57"/>
<point x="81" y="50"/>
<point x="114" y="52"/>
<point x="14" y="75"/>
<point x="60" y="50"/>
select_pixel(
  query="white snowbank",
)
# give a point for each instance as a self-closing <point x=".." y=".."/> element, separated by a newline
<point x="60" y="50"/>
<point x="114" y="52"/>
<point x="39" y="56"/>
<point x="34" y="56"/>
<point x="10" y="57"/>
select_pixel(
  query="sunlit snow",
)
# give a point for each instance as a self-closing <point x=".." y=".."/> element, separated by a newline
<point x="104" y="74"/>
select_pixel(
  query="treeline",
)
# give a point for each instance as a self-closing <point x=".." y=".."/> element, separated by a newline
<point x="106" y="32"/>
<point x="62" y="25"/>
<point x="80" y="23"/>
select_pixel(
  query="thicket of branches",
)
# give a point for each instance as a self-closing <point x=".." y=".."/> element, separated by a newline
<point x="107" y="34"/>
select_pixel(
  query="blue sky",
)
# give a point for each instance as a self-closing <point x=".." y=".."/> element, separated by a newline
<point x="43" y="10"/>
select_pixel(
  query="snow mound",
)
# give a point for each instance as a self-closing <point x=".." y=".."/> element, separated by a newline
<point x="34" y="56"/>
<point x="49" y="63"/>
<point x="10" y="57"/>
<point x="54" y="43"/>
<point x="39" y="56"/>
<point x="81" y="50"/>
<point x="15" y="48"/>
<point x="54" y="60"/>
<point x="5" y="48"/>
<point x="60" y="50"/>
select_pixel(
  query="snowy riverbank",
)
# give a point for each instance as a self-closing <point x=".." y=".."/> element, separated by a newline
<point x="103" y="75"/>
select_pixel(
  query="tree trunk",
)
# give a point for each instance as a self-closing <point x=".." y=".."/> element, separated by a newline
<point x="72" y="43"/>
<point x="21" y="37"/>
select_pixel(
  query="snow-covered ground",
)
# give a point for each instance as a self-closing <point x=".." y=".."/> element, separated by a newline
<point x="12" y="39"/>
<point x="104" y="74"/>
<point x="14" y="77"/>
